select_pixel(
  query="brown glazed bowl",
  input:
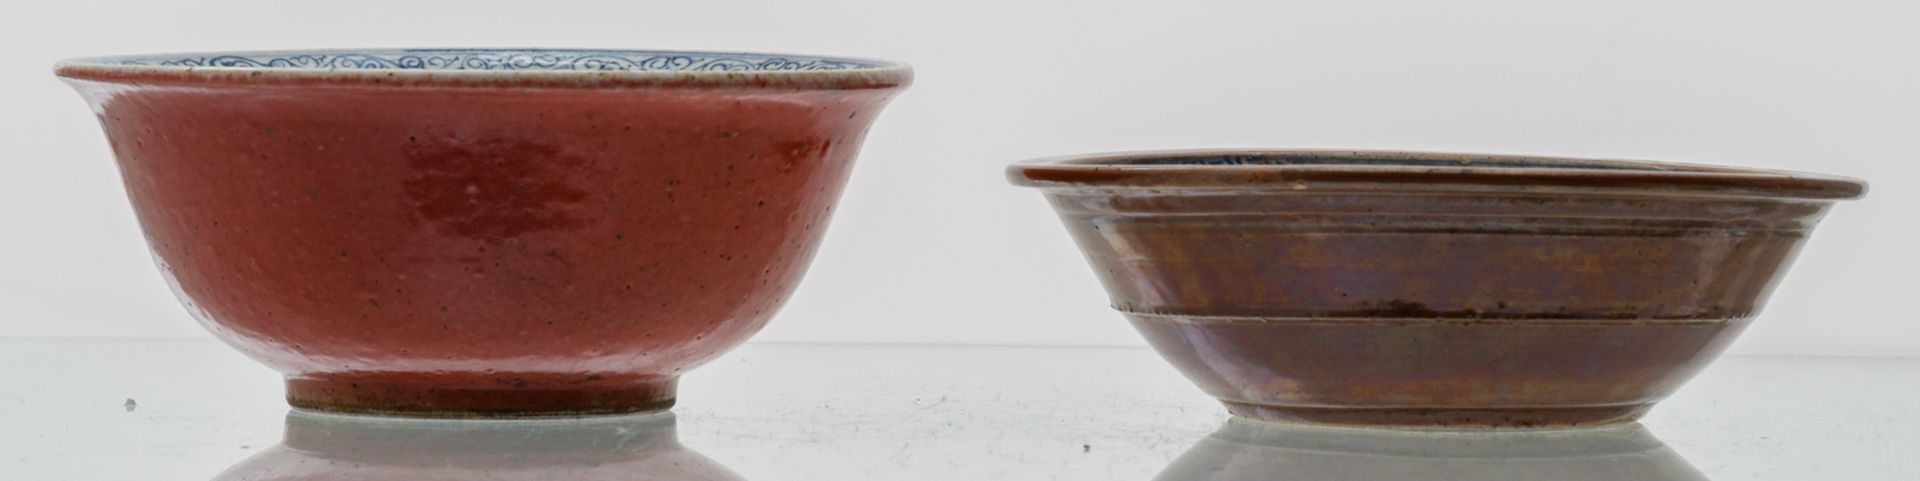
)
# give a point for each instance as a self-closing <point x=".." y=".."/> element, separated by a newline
<point x="465" y="233"/>
<point x="1420" y="289"/>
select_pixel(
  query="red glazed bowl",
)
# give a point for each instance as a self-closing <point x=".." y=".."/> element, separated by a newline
<point x="484" y="232"/>
<point x="1417" y="289"/>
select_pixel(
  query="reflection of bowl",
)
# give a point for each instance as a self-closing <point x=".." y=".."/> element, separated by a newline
<point x="484" y="232"/>
<point x="1433" y="289"/>
<point x="324" y="446"/>
<point x="1258" y="450"/>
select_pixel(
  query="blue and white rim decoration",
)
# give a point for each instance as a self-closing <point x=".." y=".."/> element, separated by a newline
<point x="504" y="60"/>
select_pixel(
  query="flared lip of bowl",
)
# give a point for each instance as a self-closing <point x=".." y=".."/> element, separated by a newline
<point x="495" y="67"/>
<point x="1324" y="170"/>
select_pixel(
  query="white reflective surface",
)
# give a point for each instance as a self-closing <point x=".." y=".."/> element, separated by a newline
<point x="781" y="412"/>
<point x="1255" y="450"/>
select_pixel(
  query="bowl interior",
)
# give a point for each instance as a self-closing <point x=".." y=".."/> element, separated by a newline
<point x="1388" y="159"/>
<point x="1410" y="170"/>
<point x="496" y="60"/>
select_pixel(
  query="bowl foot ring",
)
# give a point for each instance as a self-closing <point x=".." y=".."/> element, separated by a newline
<point x="491" y="395"/>
<point x="1444" y="417"/>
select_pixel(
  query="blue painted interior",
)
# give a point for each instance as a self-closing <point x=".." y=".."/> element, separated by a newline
<point x="494" y="59"/>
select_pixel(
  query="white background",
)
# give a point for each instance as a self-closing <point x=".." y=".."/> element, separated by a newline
<point x="932" y="246"/>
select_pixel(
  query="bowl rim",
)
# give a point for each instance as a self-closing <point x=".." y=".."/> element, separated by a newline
<point x="859" y="72"/>
<point x="1420" y="171"/>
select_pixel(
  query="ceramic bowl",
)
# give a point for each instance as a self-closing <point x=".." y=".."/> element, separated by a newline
<point x="484" y="232"/>
<point x="1398" y="288"/>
